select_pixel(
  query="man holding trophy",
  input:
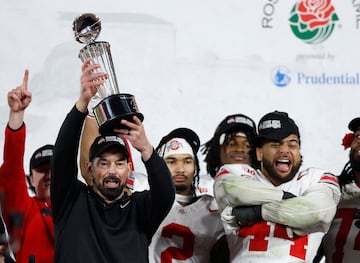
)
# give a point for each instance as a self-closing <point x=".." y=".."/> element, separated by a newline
<point x="107" y="107"/>
<point x="104" y="222"/>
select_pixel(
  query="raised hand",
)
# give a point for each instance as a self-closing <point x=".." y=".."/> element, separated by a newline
<point x="137" y="137"/>
<point x="90" y="82"/>
<point x="18" y="100"/>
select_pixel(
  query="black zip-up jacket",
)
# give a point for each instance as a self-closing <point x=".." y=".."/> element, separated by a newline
<point x="89" y="230"/>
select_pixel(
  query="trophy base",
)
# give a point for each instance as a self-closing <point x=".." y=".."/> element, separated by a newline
<point x="112" y="109"/>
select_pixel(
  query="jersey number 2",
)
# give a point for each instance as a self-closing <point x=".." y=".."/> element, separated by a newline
<point x="179" y="253"/>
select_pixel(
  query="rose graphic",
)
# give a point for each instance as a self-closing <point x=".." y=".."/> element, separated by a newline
<point x="315" y="13"/>
<point x="313" y="20"/>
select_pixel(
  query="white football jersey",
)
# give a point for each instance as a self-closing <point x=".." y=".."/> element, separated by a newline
<point x="188" y="233"/>
<point x="270" y="240"/>
<point x="205" y="186"/>
<point x="138" y="182"/>
<point x="342" y="242"/>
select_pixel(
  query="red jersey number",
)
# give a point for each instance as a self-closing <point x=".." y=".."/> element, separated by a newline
<point x="260" y="234"/>
<point x="347" y="216"/>
<point x="179" y="253"/>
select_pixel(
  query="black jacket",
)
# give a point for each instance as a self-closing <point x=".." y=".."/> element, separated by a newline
<point x="89" y="230"/>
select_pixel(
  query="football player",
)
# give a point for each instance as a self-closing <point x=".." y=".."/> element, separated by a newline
<point x="192" y="231"/>
<point x="232" y="143"/>
<point x="278" y="212"/>
<point x="342" y="242"/>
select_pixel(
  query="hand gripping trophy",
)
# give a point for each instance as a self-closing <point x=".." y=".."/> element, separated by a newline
<point x="110" y="105"/>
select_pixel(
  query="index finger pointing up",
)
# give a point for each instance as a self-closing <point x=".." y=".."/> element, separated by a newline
<point x="25" y="79"/>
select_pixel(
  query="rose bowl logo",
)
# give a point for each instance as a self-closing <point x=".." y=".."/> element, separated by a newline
<point x="313" y="21"/>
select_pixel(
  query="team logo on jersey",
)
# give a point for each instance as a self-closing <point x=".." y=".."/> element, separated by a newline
<point x="313" y="21"/>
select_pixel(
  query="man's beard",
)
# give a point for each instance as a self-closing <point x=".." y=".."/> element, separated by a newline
<point x="111" y="193"/>
<point x="354" y="160"/>
<point x="268" y="166"/>
<point x="180" y="187"/>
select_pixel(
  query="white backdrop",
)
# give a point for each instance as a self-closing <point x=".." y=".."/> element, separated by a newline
<point x="188" y="63"/>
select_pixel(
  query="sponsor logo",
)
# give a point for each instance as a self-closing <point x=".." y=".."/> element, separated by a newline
<point x="328" y="79"/>
<point x="268" y="14"/>
<point x="356" y="5"/>
<point x="280" y="76"/>
<point x="313" y="21"/>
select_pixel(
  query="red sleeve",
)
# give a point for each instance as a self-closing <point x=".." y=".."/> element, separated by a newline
<point x="13" y="187"/>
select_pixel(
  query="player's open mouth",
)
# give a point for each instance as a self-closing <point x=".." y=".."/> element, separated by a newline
<point x="283" y="165"/>
<point x="111" y="182"/>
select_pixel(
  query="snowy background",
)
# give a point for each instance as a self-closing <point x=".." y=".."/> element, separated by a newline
<point x="188" y="63"/>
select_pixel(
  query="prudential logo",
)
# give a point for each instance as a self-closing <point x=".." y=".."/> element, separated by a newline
<point x="280" y="76"/>
<point x="313" y="21"/>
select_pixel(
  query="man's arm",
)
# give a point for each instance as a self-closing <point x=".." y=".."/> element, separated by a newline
<point x="350" y="190"/>
<point x="89" y="133"/>
<point x="313" y="211"/>
<point x="18" y="100"/>
<point x="162" y="189"/>
<point x="237" y="185"/>
<point x="12" y="175"/>
<point x="64" y="161"/>
<point x="220" y="251"/>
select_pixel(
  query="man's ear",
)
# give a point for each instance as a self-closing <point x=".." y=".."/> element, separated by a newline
<point x="130" y="167"/>
<point x="88" y="176"/>
<point x="88" y="168"/>
<point x="259" y="154"/>
<point x="31" y="179"/>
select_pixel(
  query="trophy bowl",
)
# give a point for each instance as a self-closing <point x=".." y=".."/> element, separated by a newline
<point x="112" y="109"/>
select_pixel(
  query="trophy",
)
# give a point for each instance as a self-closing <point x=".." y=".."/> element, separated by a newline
<point x="111" y="105"/>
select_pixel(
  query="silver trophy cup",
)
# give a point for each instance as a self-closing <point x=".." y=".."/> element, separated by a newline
<point x="111" y="105"/>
